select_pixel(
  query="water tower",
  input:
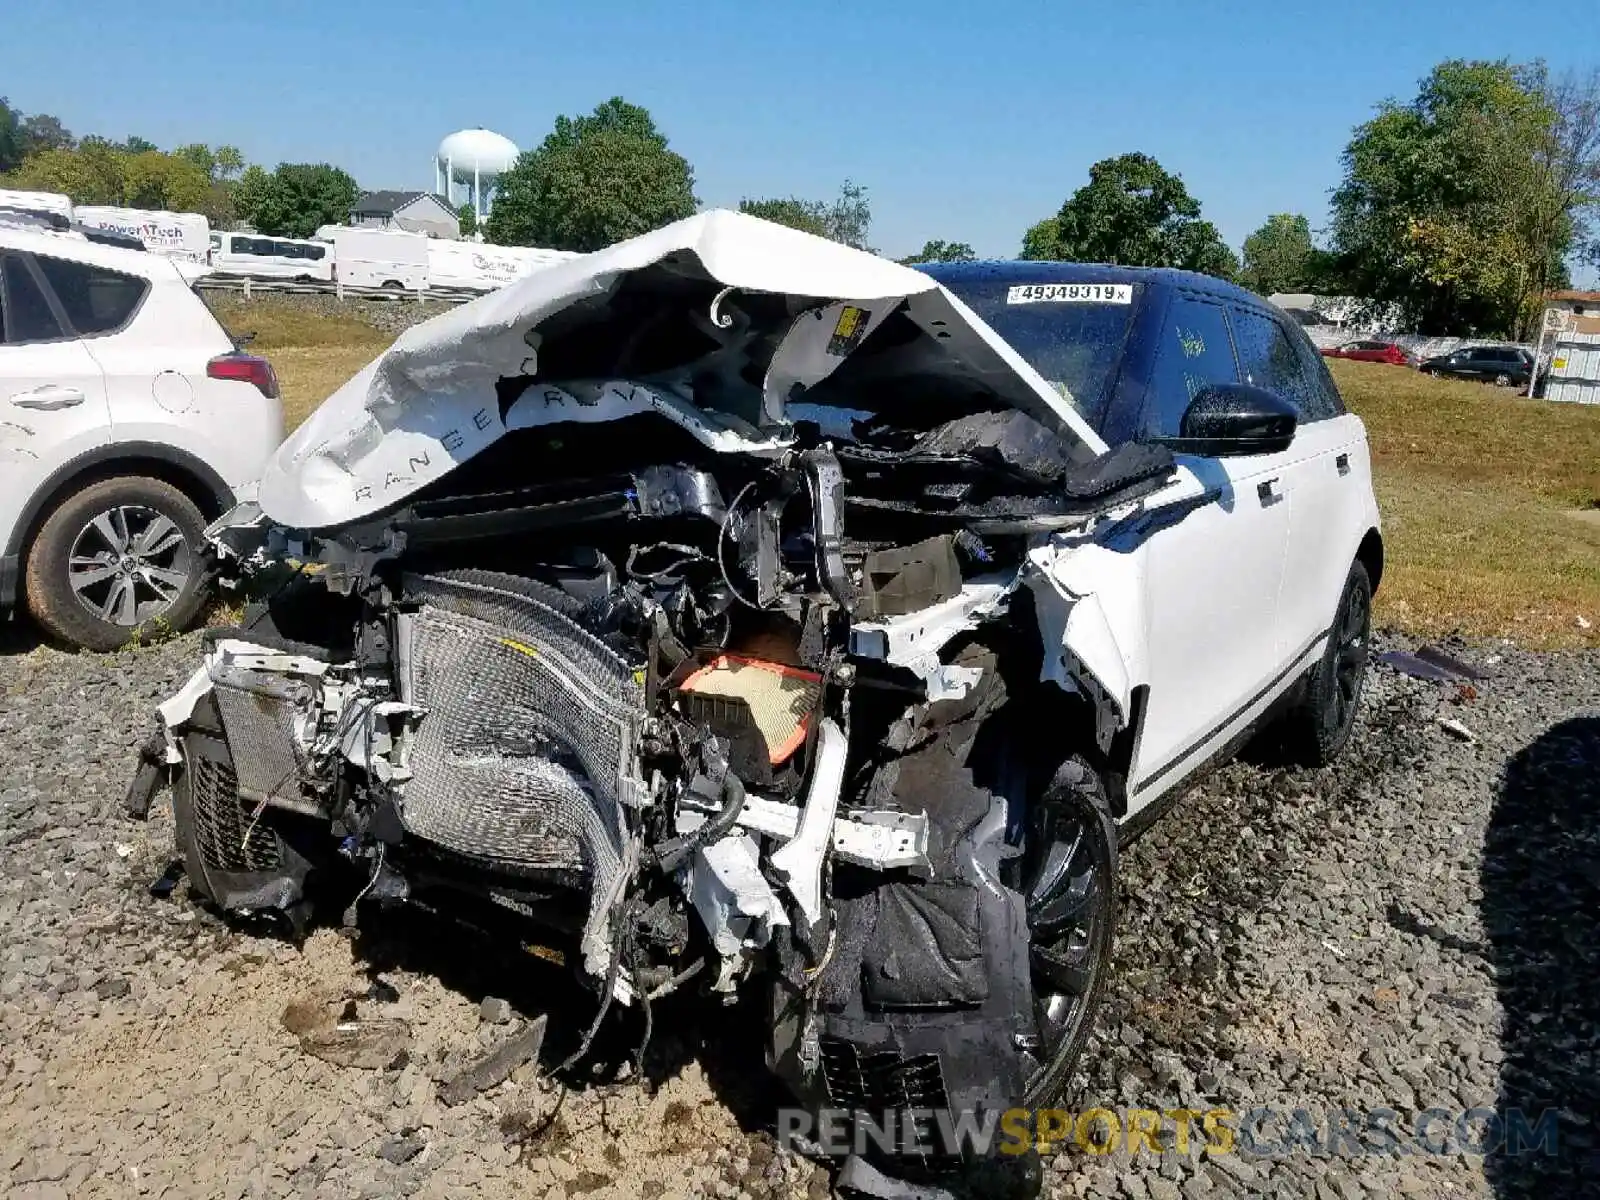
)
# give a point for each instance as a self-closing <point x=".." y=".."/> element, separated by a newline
<point x="474" y="159"/>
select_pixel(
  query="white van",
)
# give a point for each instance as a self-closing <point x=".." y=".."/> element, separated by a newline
<point x="39" y="202"/>
<point x="261" y="257"/>
<point x="184" y="236"/>
<point x="380" y="258"/>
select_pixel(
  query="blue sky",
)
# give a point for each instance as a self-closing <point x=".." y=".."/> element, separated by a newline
<point x="966" y="121"/>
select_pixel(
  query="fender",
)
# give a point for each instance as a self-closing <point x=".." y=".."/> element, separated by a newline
<point x="214" y="489"/>
<point x="1089" y="601"/>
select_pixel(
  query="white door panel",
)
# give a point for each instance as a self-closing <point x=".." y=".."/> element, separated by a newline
<point x="52" y="408"/>
<point x="1213" y="584"/>
<point x="1330" y="485"/>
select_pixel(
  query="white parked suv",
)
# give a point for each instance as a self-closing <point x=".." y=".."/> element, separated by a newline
<point x="733" y="609"/>
<point x="128" y="419"/>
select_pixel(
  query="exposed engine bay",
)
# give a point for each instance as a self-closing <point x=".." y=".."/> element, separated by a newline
<point x="705" y="629"/>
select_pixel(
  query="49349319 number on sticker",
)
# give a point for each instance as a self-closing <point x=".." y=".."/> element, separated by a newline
<point x="1070" y="293"/>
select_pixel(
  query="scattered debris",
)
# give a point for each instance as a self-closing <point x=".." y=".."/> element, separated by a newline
<point x="1436" y="656"/>
<point x="495" y="1067"/>
<point x="1584" y="622"/>
<point x="124" y="850"/>
<point x="1456" y="729"/>
<point x="495" y="1010"/>
<point x="111" y="989"/>
<point x="1430" y="663"/>
<point x="162" y="887"/>
<point x="335" y="1032"/>
<point x="401" y="1150"/>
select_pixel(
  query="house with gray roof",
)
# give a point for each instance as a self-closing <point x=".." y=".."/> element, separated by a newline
<point x="419" y="212"/>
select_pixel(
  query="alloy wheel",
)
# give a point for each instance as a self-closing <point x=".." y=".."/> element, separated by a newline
<point x="129" y="564"/>
<point x="1068" y="895"/>
<point x="1350" y="657"/>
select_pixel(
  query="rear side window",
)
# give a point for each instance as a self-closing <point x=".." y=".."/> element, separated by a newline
<point x="1194" y="353"/>
<point x="27" y="313"/>
<point x="95" y="299"/>
<point x="1268" y="360"/>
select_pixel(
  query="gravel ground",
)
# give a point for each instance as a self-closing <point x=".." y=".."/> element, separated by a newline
<point x="1404" y="931"/>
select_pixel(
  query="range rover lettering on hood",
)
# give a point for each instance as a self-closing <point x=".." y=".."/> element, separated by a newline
<point x="719" y="323"/>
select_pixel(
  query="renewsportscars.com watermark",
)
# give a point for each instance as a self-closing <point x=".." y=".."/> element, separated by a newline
<point x="1263" y="1132"/>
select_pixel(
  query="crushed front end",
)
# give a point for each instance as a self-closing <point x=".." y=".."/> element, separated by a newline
<point x="718" y="656"/>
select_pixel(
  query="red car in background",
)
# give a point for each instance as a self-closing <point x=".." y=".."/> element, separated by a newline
<point x="1378" y="352"/>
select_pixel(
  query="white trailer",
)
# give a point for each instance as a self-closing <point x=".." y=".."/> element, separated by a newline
<point x="37" y="202"/>
<point x="481" y="266"/>
<point x="380" y="258"/>
<point x="185" y="236"/>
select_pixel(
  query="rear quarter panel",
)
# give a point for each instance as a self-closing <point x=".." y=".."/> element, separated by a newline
<point x="159" y="391"/>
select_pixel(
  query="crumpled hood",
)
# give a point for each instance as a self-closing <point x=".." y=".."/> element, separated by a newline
<point x="429" y="402"/>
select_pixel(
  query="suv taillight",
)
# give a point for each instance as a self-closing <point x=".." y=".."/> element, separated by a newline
<point x="247" y="368"/>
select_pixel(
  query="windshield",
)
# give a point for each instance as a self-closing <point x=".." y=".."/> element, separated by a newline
<point x="1071" y="333"/>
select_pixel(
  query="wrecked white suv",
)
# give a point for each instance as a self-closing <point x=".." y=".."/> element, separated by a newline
<point x="755" y="612"/>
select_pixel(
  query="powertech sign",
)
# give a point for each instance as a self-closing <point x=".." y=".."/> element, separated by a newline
<point x="175" y="235"/>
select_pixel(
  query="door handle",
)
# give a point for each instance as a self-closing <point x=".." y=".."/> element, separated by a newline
<point x="49" y="398"/>
<point x="1342" y="461"/>
<point x="1265" y="491"/>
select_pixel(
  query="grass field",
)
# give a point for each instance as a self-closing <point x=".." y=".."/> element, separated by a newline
<point x="1483" y="493"/>
<point x="1484" y="496"/>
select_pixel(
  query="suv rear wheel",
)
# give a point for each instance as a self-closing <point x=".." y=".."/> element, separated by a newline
<point x="1319" y="726"/>
<point x="117" y="562"/>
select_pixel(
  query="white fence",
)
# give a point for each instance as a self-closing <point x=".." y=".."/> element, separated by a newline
<point x="280" y="287"/>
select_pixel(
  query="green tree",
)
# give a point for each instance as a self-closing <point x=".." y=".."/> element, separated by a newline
<point x="137" y="145"/>
<point x="1453" y="205"/>
<point x="90" y="174"/>
<point x="594" y="180"/>
<point x="296" y="198"/>
<point x="250" y="192"/>
<point x="1135" y="213"/>
<point x="942" y="252"/>
<point x="220" y="165"/>
<point x="1278" y="257"/>
<point x="11" y="141"/>
<point x="468" y="217"/>
<point x="164" y="181"/>
<point x="847" y="218"/>
<point x="808" y="216"/>
<point x="41" y="131"/>
<point x="1042" y="242"/>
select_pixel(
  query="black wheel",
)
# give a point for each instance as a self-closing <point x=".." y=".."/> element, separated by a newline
<point x="1320" y="725"/>
<point x="116" y="562"/>
<point x="1069" y="884"/>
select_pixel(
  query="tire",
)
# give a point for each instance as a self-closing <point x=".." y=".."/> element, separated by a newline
<point x="1319" y="726"/>
<point x="117" y="562"/>
<point x="1077" y="949"/>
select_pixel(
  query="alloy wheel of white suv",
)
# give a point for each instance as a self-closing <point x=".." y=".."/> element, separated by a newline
<point x="117" y="562"/>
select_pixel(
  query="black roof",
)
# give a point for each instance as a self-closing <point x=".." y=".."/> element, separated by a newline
<point x="1018" y="271"/>
<point x="391" y="202"/>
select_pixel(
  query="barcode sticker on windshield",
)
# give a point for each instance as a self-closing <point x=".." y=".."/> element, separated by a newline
<point x="1070" y="293"/>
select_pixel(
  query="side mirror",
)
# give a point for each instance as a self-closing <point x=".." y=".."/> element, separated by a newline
<point x="1229" y="419"/>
